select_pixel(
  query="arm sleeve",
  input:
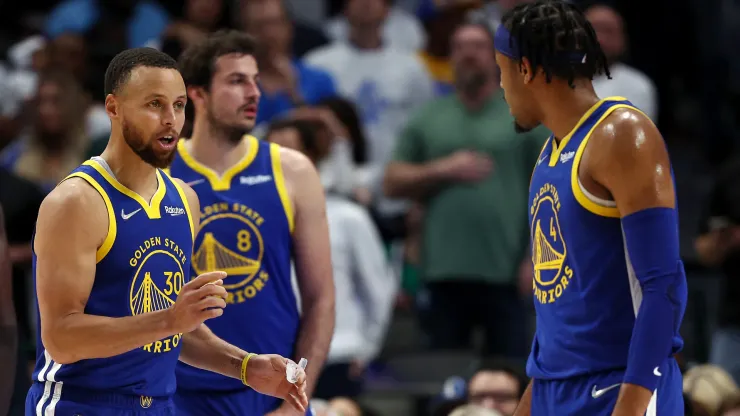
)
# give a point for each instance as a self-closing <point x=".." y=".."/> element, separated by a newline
<point x="659" y="292"/>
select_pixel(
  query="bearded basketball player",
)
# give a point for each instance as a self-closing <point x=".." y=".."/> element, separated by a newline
<point x="262" y="207"/>
<point x="112" y="255"/>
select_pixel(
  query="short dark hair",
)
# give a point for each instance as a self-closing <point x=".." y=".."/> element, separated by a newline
<point x="197" y="62"/>
<point x="508" y="367"/>
<point x="480" y="21"/>
<point x="549" y="33"/>
<point x="346" y="111"/>
<point x="306" y="132"/>
<point x="120" y="67"/>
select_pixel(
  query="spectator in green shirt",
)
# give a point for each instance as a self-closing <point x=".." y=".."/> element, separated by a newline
<point x="460" y="158"/>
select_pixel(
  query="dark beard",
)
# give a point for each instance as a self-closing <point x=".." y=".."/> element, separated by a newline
<point x="145" y="151"/>
<point x="233" y="134"/>
<point x="471" y="84"/>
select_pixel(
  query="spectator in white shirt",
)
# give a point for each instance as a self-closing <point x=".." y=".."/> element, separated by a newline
<point x="625" y="81"/>
<point x="365" y="286"/>
<point x="385" y="83"/>
<point x="400" y="29"/>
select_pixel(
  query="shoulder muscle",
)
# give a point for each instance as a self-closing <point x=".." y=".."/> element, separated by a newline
<point x="72" y="208"/>
<point x="301" y="179"/>
<point x="72" y="224"/>
<point x="627" y="155"/>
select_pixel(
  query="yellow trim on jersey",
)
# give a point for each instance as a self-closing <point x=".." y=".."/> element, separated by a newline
<point x="558" y="147"/>
<point x="185" y="204"/>
<point x="152" y="208"/>
<point x="277" y="171"/>
<point x="222" y="182"/>
<point x="581" y="197"/>
<point x="167" y="171"/>
<point x="112" y="227"/>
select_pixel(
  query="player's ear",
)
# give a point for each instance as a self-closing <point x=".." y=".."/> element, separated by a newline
<point x="197" y="95"/>
<point x="111" y="106"/>
<point x="525" y="68"/>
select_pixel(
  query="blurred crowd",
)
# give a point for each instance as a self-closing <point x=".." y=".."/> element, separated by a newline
<point x="398" y="104"/>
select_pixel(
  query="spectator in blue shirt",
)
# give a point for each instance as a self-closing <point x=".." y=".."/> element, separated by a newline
<point x="285" y="82"/>
<point x="144" y="20"/>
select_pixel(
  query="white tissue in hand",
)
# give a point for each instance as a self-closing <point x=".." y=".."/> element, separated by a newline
<point x="291" y="370"/>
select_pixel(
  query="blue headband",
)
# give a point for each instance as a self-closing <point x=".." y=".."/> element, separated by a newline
<point x="503" y="42"/>
<point x="506" y="45"/>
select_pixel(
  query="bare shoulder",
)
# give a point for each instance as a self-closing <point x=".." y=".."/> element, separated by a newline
<point x="302" y="182"/>
<point x="72" y="204"/>
<point x="628" y="137"/>
<point x="73" y="198"/>
<point x="296" y="166"/>
<point x="627" y="156"/>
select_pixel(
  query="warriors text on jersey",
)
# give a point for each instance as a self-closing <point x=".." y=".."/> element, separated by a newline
<point x="245" y="230"/>
<point x="141" y="267"/>
<point x="586" y="294"/>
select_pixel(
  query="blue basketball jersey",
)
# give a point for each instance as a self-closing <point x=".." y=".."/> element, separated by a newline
<point x="586" y="295"/>
<point x="246" y="223"/>
<point x="141" y="267"/>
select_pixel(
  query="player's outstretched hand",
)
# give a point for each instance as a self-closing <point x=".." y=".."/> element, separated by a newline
<point x="199" y="300"/>
<point x="266" y="374"/>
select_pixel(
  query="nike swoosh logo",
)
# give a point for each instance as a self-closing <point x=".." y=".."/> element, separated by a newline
<point x="656" y="371"/>
<point x="129" y="215"/>
<point x="195" y="182"/>
<point x="596" y="393"/>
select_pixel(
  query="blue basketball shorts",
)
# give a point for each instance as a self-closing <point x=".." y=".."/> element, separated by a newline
<point x="596" y="394"/>
<point x="55" y="399"/>
<point x="245" y="402"/>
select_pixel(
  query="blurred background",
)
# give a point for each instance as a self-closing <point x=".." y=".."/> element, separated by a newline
<point x="391" y="98"/>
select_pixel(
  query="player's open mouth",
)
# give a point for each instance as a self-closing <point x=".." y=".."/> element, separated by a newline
<point x="167" y="142"/>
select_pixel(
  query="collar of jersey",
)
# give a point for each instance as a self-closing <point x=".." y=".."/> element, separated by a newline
<point x="220" y="182"/>
<point x="152" y="208"/>
<point x="557" y="148"/>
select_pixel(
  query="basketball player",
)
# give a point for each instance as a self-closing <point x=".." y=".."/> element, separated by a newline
<point x="112" y="255"/>
<point x="261" y="205"/>
<point x="609" y="286"/>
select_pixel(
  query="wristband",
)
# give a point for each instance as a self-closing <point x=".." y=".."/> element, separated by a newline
<point x="245" y="361"/>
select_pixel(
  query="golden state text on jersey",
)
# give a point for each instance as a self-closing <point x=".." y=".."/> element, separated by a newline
<point x="581" y="286"/>
<point x="245" y="230"/>
<point x="551" y="273"/>
<point x="141" y="267"/>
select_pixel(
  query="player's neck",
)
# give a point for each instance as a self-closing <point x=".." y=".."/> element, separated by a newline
<point x="564" y="107"/>
<point x="213" y="149"/>
<point x="129" y="169"/>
